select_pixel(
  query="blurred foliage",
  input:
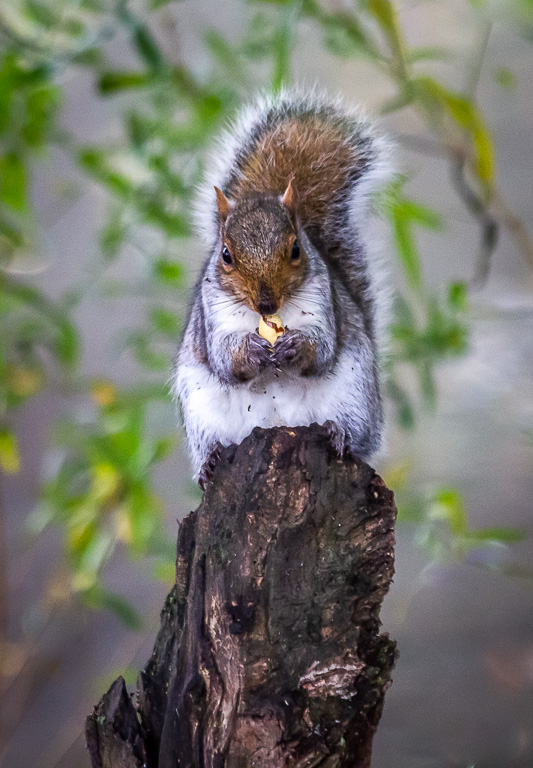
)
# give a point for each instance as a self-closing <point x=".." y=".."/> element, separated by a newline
<point x="103" y="494"/>
<point x="441" y="523"/>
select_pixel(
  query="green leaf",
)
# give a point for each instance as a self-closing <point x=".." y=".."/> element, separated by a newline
<point x="145" y="354"/>
<point x="173" y="224"/>
<point x="340" y="40"/>
<point x="12" y="182"/>
<point x="90" y="57"/>
<point x="112" y="235"/>
<point x="407" y="250"/>
<point x="41" y="107"/>
<point x="421" y="215"/>
<point x="169" y="272"/>
<point x="458" y="296"/>
<point x="110" y="82"/>
<point x="447" y="504"/>
<point x="505" y="77"/>
<point x="403" y="213"/>
<point x="143" y="516"/>
<point x="343" y="33"/>
<point x="257" y="44"/>
<point x="148" y="48"/>
<point x="155" y="4"/>
<point x="428" y="387"/>
<point x="143" y="40"/>
<point x="405" y="413"/>
<point x="163" y="448"/>
<point x="430" y="53"/>
<point x="225" y="53"/>
<point x="9" y="452"/>
<point x="40" y="12"/>
<point x="66" y="346"/>
<point x="96" y="550"/>
<point x="497" y="534"/>
<point x="94" y="161"/>
<point x="209" y="108"/>
<point x="385" y="13"/>
<point x="165" y="322"/>
<point x="282" y="47"/>
<point x="64" y="343"/>
<point x="11" y="240"/>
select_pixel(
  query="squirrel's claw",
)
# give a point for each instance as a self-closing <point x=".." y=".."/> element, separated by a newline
<point x="338" y="440"/>
<point x="288" y="349"/>
<point x="208" y="467"/>
<point x="259" y="350"/>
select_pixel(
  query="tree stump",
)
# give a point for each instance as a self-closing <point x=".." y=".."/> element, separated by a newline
<point x="269" y="652"/>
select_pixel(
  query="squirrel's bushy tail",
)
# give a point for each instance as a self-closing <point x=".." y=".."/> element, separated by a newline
<point x="335" y="155"/>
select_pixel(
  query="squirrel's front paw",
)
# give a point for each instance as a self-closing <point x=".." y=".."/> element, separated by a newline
<point x="254" y="354"/>
<point x="295" y="350"/>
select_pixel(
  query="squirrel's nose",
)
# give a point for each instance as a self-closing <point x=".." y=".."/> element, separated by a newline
<point x="267" y="307"/>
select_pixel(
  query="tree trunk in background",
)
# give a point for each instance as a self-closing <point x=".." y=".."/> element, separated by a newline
<point x="269" y="652"/>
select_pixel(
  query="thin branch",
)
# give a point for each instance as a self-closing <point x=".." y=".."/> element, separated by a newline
<point x="489" y="224"/>
<point x="421" y="144"/>
<point x="514" y="225"/>
<point x="476" y="66"/>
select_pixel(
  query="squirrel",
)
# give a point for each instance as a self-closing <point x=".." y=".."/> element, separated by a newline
<point x="284" y="209"/>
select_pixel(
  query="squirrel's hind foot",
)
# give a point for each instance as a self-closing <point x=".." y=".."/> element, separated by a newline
<point x="338" y="440"/>
<point x="208" y="467"/>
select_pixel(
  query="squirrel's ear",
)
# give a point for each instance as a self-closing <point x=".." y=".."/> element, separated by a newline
<point x="223" y="204"/>
<point x="290" y="199"/>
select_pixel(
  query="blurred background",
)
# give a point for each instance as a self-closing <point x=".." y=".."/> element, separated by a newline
<point x="106" y="110"/>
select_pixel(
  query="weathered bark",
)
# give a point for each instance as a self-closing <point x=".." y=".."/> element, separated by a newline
<point x="114" y="734"/>
<point x="269" y="652"/>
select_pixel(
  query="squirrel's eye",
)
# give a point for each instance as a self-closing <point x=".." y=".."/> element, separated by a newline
<point x="226" y="255"/>
<point x="295" y="253"/>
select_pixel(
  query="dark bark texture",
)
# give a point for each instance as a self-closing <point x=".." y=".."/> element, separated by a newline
<point x="269" y="652"/>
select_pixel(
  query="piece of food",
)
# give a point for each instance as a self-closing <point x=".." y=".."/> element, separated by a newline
<point x="271" y="328"/>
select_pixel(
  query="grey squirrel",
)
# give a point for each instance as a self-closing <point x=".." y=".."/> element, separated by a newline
<point x="284" y="210"/>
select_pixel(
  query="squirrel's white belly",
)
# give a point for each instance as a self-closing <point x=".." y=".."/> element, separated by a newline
<point x="232" y="412"/>
<point x="228" y="414"/>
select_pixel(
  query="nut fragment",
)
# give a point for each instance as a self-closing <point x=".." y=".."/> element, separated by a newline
<point x="271" y="328"/>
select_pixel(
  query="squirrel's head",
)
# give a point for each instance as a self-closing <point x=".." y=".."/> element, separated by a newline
<point x="260" y="259"/>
